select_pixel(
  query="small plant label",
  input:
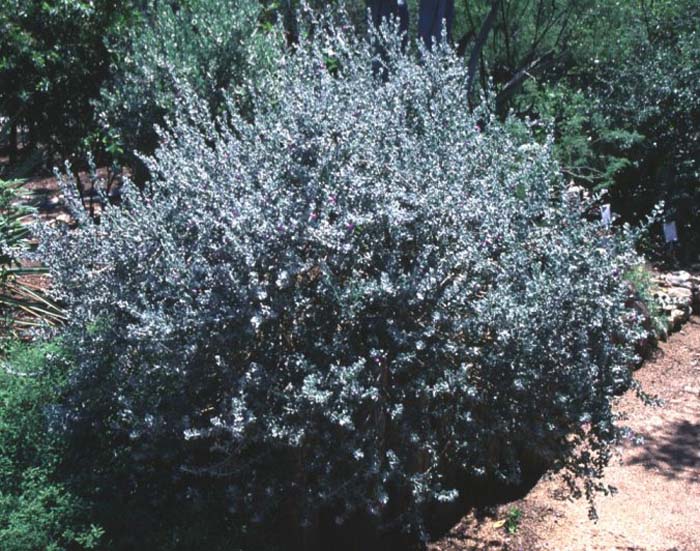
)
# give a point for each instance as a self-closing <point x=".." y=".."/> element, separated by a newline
<point x="670" y="232"/>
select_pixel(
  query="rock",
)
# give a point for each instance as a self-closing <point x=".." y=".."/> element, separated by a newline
<point x="675" y="298"/>
<point x="679" y="292"/>
<point x="64" y="218"/>
<point x="642" y="310"/>
<point x="684" y="284"/>
<point x="680" y="295"/>
<point x="677" y="295"/>
<point x="677" y="319"/>
<point x="678" y="278"/>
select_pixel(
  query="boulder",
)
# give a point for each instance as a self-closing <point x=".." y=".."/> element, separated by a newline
<point x="678" y="279"/>
<point x="64" y="218"/>
<point x="677" y="318"/>
<point x="680" y="294"/>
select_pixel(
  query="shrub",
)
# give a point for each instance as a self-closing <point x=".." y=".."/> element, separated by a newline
<point x="37" y="511"/>
<point x="345" y="306"/>
<point x="211" y="45"/>
<point x="641" y="281"/>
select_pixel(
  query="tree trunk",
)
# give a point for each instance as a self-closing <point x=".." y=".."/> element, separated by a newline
<point x="431" y="15"/>
<point x="289" y="20"/>
<point x="13" y="143"/>
<point x="383" y="10"/>
<point x="486" y="27"/>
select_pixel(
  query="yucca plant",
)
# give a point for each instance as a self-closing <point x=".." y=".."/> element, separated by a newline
<point x="22" y="304"/>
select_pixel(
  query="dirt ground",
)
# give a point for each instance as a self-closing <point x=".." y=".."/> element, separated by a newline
<point x="657" y="507"/>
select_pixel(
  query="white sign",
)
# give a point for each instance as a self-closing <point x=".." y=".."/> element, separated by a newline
<point x="606" y="214"/>
<point x="670" y="233"/>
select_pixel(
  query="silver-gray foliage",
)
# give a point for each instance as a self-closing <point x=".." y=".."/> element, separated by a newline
<point x="364" y="294"/>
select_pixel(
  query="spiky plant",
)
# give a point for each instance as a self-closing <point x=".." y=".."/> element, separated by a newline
<point x="22" y="304"/>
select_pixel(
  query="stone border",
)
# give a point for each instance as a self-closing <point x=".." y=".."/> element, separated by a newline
<point x="678" y="296"/>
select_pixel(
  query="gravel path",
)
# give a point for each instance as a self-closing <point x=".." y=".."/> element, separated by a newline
<point x="657" y="507"/>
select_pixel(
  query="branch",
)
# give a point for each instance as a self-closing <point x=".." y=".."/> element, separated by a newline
<point x="462" y="43"/>
<point x="520" y="77"/>
<point x="290" y="24"/>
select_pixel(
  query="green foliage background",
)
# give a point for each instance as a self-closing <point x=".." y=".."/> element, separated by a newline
<point x="53" y="61"/>
<point x="618" y="80"/>
<point x="208" y="45"/>
<point x="620" y="83"/>
<point x="37" y="511"/>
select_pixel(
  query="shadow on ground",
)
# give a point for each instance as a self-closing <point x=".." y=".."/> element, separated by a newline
<point x="675" y="452"/>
